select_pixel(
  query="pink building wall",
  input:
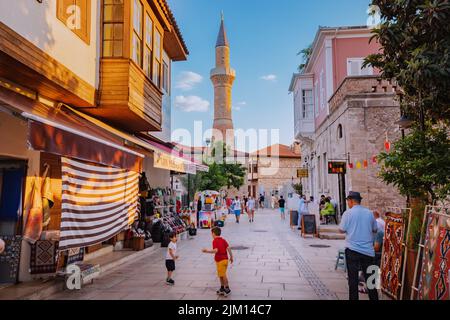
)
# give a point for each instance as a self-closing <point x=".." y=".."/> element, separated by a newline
<point x="344" y="48"/>
<point x="319" y="66"/>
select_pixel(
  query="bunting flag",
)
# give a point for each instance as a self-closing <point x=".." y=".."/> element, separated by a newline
<point x="98" y="202"/>
<point x="387" y="143"/>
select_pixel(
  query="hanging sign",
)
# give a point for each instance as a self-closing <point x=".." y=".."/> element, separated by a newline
<point x="167" y="162"/>
<point x="302" y="173"/>
<point x="337" y="167"/>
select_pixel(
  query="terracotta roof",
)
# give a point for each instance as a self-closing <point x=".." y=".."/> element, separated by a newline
<point x="277" y="150"/>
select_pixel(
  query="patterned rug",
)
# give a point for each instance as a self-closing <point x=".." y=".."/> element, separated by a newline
<point x="392" y="257"/>
<point x="433" y="283"/>
<point x="44" y="257"/>
<point x="75" y="255"/>
<point x="10" y="258"/>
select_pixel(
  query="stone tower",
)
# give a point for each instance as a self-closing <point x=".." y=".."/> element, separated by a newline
<point x="222" y="77"/>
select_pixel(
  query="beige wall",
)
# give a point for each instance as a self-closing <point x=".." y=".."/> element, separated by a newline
<point x="38" y="23"/>
<point x="14" y="144"/>
<point x="158" y="178"/>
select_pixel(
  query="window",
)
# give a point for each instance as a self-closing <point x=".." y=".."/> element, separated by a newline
<point x="166" y="76"/>
<point x="307" y="104"/>
<point x="316" y="91"/>
<point x="355" y="67"/>
<point x="148" y="49"/>
<point x="340" y="133"/>
<point x="322" y="90"/>
<point x="137" y="33"/>
<point x="113" y="28"/>
<point x="76" y="15"/>
<point x="157" y="60"/>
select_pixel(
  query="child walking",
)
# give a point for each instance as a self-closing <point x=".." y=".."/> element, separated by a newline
<point x="222" y="253"/>
<point x="171" y="256"/>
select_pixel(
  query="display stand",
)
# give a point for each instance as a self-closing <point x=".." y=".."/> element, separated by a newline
<point x="431" y="212"/>
<point x="405" y="214"/>
<point x="309" y="226"/>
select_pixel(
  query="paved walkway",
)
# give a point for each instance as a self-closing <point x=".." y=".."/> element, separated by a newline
<point x="278" y="265"/>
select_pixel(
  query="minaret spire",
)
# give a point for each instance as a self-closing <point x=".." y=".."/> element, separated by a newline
<point x="222" y="39"/>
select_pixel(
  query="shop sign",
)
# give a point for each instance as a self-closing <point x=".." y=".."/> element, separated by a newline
<point x="302" y="173"/>
<point x="190" y="168"/>
<point x="168" y="162"/>
<point x="337" y="167"/>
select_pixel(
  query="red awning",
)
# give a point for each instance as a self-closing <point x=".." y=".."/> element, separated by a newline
<point x="62" y="132"/>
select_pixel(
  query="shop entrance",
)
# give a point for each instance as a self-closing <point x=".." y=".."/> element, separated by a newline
<point x="12" y="181"/>
<point x="342" y="194"/>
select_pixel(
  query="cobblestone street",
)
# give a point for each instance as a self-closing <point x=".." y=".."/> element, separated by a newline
<point x="277" y="265"/>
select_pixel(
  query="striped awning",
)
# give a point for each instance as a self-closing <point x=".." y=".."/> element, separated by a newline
<point x="98" y="202"/>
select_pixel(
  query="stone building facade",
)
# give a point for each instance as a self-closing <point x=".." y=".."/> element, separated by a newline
<point x="273" y="170"/>
<point x="363" y="115"/>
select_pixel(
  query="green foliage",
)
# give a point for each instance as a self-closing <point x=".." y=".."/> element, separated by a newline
<point x="419" y="164"/>
<point x="298" y="187"/>
<point x="415" y="40"/>
<point x="306" y="55"/>
<point x="222" y="172"/>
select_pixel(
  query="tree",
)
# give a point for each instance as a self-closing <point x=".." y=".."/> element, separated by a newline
<point x="306" y="55"/>
<point x="415" y="40"/>
<point x="298" y="187"/>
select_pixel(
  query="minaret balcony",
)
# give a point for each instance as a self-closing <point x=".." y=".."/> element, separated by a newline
<point x="220" y="71"/>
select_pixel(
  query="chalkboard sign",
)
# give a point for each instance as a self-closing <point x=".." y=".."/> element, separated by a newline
<point x="294" y="218"/>
<point x="309" y="226"/>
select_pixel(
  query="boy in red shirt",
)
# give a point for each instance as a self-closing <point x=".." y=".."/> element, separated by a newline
<point x="221" y="251"/>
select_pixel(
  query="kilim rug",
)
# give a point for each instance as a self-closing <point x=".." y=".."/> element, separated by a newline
<point x="433" y="283"/>
<point x="392" y="257"/>
<point x="75" y="255"/>
<point x="44" y="257"/>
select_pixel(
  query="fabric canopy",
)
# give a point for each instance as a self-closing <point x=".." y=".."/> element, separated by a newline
<point x="97" y="203"/>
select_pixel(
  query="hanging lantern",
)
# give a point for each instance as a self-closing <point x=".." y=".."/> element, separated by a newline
<point x="366" y="164"/>
<point x="387" y="143"/>
<point x="358" y="165"/>
<point x="374" y="160"/>
<point x="350" y="166"/>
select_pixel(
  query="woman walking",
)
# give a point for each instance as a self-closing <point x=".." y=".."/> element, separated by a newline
<point x="251" y="209"/>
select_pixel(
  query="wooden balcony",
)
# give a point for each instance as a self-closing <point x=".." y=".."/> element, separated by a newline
<point x="127" y="98"/>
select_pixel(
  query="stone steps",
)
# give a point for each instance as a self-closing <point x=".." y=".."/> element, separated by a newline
<point x="330" y="232"/>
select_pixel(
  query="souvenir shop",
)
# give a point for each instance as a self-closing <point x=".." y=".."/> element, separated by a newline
<point x="416" y="274"/>
<point x="71" y="190"/>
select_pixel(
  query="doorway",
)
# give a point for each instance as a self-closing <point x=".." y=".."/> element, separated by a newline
<point x="342" y="194"/>
<point x="12" y="182"/>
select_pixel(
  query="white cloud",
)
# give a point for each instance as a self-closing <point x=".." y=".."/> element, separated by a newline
<point x="269" y="77"/>
<point x="191" y="104"/>
<point x="187" y="80"/>
<point x="239" y="105"/>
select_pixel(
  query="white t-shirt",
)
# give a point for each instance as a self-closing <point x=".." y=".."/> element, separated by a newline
<point x="173" y="246"/>
<point x="251" y="204"/>
<point x="237" y="205"/>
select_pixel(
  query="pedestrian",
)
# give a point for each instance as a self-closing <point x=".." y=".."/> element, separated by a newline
<point x="171" y="257"/>
<point x="359" y="225"/>
<point x="261" y="201"/>
<point x="2" y="246"/>
<point x="251" y="209"/>
<point x="245" y="204"/>
<point x="302" y="210"/>
<point x="237" y="208"/>
<point x="282" y="204"/>
<point x="380" y="222"/>
<point x="222" y="254"/>
<point x="272" y="202"/>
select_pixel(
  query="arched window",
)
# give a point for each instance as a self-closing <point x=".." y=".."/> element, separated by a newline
<point x="340" y="133"/>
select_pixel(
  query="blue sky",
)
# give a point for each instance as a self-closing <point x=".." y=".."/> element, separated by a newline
<point x="265" y="36"/>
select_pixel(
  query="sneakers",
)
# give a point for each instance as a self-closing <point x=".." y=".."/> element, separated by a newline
<point x="226" y="292"/>
<point x="220" y="292"/>
<point x="170" y="282"/>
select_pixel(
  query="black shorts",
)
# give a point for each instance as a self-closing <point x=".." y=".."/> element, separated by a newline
<point x="170" y="265"/>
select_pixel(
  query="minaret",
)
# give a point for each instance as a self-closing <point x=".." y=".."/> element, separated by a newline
<point x="222" y="77"/>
